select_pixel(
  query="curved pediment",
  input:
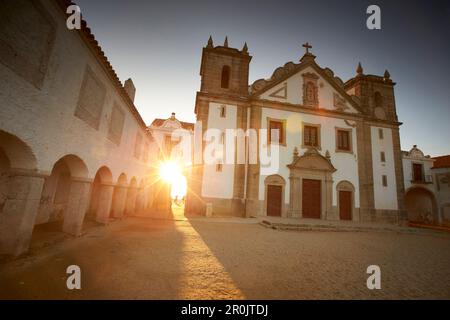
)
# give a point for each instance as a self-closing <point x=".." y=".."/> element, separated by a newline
<point x="311" y="160"/>
<point x="293" y="83"/>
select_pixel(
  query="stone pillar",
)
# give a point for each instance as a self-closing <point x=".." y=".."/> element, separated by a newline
<point x="329" y="212"/>
<point x="294" y="197"/>
<point x="402" y="216"/>
<point x="253" y="204"/>
<point x="139" y="201"/>
<point x="19" y="212"/>
<point x="131" y="201"/>
<point x="120" y="201"/>
<point x="365" y="172"/>
<point x="104" y="203"/>
<point x="77" y="206"/>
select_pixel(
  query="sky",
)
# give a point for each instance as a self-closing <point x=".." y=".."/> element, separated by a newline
<point x="159" y="44"/>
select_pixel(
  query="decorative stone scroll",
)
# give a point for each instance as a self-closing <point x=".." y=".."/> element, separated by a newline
<point x="339" y="103"/>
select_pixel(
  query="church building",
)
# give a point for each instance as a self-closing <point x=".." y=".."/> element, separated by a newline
<point x="339" y="144"/>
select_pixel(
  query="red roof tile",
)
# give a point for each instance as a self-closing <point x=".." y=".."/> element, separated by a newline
<point x="442" y="162"/>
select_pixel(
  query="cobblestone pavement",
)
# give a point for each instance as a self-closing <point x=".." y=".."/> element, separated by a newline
<point x="198" y="259"/>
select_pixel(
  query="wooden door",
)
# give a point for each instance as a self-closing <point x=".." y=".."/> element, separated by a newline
<point x="274" y="198"/>
<point x="417" y="172"/>
<point x="345" y="205"/>
<point x="311" y="198"/>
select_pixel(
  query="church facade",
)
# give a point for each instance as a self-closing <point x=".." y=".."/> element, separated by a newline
<point x="339" y="144"/>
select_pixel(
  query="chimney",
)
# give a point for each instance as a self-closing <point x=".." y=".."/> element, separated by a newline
<point x="130" y="89"/>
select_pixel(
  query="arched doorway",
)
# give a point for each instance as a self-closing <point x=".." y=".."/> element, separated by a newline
<point x="64" y="197"/>
<point x="20" y="191"/>
<point x="274" y="195"/>
<point x="101" y="196"/>
<point x="345" y="192"/>
<point x="119" y="197"/>
<point x="421" y="206"/>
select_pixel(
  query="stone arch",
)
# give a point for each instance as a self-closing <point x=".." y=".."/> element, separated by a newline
<point x="18" y="154"/>
<point x="119" y="197"/>
<point x="101" y="195"/>
<point x="345" y="196"/>
<point x="275" y="179"/>
<point x="131" y="197"/>
<point x="274" y="186"/>
<point x="20" y="191"/>
<point x="56" y="191"/>
<point x="421" y="205"/>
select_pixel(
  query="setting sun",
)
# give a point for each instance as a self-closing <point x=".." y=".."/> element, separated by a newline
<point x="172" y="173"/>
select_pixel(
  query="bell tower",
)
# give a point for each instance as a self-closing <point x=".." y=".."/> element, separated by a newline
<point x="224" y="70"/>
<point x="376" y="94"/>
<point x="221" y="103"/>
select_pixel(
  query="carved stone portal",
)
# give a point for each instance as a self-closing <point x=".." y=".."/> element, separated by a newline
<point x="312" y="165"/>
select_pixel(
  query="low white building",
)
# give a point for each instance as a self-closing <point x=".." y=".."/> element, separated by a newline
<point x="72" y="143"/>
<point x="427" y="189"/>
<point x="167" y="134"/>
<point x="441" y="178"/>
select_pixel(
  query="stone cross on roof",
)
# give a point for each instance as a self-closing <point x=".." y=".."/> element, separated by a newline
<point x="307" y="46"/>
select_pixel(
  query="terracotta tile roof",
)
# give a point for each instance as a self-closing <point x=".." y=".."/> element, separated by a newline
<point x="89" y="38"/>
<point x="441" y="162"/>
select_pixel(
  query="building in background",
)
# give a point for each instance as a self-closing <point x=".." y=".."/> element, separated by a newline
<point x="420" y="190"/>
<point x="427" y="191"/>
<point x="166" y="143"/>
<point x="340" y="156"/>
<point x="174" y="149"/>
<point x="441" y="177"/>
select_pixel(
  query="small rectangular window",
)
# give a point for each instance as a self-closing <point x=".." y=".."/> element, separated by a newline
<point x="311" y="136"/>
<point x="343" y="140"/>
<point x="277" y="136"/>
<point x="382" y="156"/>
<point x="380" y="134"/>
<point x="417" y="172"/>
<point x="219" y="167"/>
<point x="225" y="81"/>
<point x="384" y="178"/>
<point x="223" y="111"/>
